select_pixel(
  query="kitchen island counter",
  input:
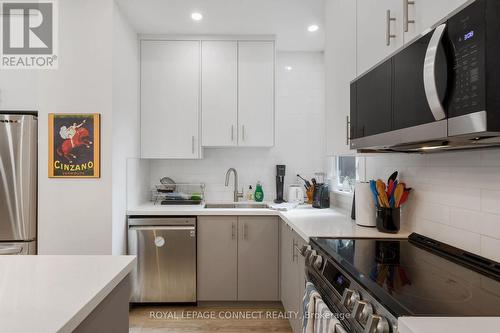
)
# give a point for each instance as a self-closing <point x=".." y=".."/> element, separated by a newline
<point x="64" y="293"/>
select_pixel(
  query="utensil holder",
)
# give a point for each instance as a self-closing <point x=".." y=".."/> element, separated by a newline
<point x="388" y="220"/>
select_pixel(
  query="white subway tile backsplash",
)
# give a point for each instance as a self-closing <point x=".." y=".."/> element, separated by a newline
<point x="456" y="197"/>
<point x="450" y="195"/>
<point x="490" y="225"/>
<point x="463" y="239"/>
<point x="490" y="248"/>
<point x="490" y="157"/>
<point x="490" y="201"/>
<point x="432" y="212"/>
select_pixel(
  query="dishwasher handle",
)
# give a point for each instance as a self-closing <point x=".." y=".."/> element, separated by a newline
<point x="163" y="227"/>
<point x="161" y="221"/>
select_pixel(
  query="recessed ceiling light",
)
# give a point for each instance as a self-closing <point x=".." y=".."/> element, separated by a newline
<point x="288" y="68"/>
<point x="196" y="16"/>
<point x="312" y="28"/>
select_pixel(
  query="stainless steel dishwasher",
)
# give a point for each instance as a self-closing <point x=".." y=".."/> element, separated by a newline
<point x="166" y="259"/>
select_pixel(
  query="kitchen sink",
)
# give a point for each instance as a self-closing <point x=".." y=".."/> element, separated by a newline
<point x="237" y="205"/>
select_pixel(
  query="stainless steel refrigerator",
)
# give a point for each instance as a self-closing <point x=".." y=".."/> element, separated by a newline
<point x="18" y="183"/>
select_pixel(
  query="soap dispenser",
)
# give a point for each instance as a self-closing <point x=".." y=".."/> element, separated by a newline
<point x="259" y="193"/>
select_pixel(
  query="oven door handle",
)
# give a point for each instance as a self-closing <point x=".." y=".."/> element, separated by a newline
<point x="430" y="86"/>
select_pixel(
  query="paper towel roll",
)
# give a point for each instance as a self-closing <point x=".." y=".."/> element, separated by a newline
<point x="365" y="205"/>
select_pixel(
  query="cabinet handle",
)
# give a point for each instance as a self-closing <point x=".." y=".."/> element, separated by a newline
<point x="389" y="35"/>
<point x="233" y="229"/>
<point x="245" y="231"/>
<point x="243" y="132"/>
<point x="232" y="133"/>
<point x="294" y="247"/>
<point x="347" y="128"/>
<point x="192" y="144"/>
<point x="406" y="20"/>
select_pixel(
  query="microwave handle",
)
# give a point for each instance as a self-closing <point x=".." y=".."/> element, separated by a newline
<point x="430" y="74"/>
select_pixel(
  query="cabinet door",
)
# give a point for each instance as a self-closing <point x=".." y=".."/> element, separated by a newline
<point x="301" y="282"/>
<point x="372" y="31"/>
<point x="341" y="70"/>
<point x="256" y="94"/>
<point x="426" y="13"/>
<point x="287" y="276"/>
<point x="258" y="263"/>
<point x="374" y="101"/>
<point x="219" y="107"/>
<point x="170" y="90"/>
<point x="217" y="258"/>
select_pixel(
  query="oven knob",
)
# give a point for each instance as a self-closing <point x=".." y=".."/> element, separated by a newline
<point x="318" y="262"/>
<point x="349" y="297"/>
<point x="377" y="324"/>
<point x="312" y="256"/>
<point x="362" y="311"/>
<point x="305" y="250"/>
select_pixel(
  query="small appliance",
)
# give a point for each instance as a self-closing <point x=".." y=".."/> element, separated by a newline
<point x="321" y="196"/>
<point x="295" y="194"/>
<point x="280" y="182"/>
<point x="439" y="92"/>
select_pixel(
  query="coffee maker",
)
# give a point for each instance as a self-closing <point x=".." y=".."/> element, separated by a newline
<point x="280" y="183"/>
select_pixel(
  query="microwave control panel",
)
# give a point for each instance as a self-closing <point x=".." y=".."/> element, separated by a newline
<point x="466" y="32"/>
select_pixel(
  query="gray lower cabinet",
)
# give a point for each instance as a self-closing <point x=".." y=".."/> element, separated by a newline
<point x="238" y="258"/>
<point x="293" y="277"/>
<point x="258" y="258"/>
<point x="217" y="258"/>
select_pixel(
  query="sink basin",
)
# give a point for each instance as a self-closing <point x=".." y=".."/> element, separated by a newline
<point x="237" y="205"/>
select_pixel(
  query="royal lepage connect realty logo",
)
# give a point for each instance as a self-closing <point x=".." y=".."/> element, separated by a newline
<point x="29" y="34"/>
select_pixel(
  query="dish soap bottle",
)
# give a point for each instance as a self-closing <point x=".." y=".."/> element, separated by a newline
<point x="249" y="196"/>
<point x="259" y="194"/>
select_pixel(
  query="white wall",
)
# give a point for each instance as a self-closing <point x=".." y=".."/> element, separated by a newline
<point x="74" y="215"/>
<point x="299" y="137"/>
<point x="125" y="136"/>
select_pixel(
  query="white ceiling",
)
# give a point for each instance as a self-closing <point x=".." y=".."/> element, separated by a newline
<point x="287" y="19"/>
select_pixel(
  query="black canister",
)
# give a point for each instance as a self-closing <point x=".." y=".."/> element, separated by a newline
<point x="321" y="196"/>
<point x="388" y="220"/>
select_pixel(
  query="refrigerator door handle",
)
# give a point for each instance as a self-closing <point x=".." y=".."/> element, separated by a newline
<point x="11" y="250"/>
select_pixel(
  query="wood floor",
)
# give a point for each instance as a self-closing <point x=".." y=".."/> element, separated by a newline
<point x="228" y="318"/>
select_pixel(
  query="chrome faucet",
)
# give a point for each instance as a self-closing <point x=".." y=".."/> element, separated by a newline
<point x="237" y="194"/>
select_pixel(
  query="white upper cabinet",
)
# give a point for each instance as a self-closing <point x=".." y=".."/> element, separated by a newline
<point x="256" y="93"/>
<point x="170" y="99"/>
<point x="379" y="31"/>
<point x="219" y="93"/>
<point x="419" y="15"/>
<point x="340" y="66"/>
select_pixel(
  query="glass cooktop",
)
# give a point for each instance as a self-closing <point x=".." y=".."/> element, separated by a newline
<point x="411" y="279"/>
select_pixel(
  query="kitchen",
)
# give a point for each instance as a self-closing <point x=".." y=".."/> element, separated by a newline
<point x="215" y="109"/>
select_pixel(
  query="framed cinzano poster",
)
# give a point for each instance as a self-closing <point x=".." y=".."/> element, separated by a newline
<point x="74" y="145"/>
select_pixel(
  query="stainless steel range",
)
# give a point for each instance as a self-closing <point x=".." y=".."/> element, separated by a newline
<point x="370" y="283"/>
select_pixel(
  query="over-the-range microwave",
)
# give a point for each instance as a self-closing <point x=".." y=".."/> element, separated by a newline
<point x="442" y="91"/>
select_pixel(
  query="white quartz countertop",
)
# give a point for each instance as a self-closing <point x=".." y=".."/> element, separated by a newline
<point x="305" y="220"/>
<point x="47" y="294"/>
<point x="446" y="324"/>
